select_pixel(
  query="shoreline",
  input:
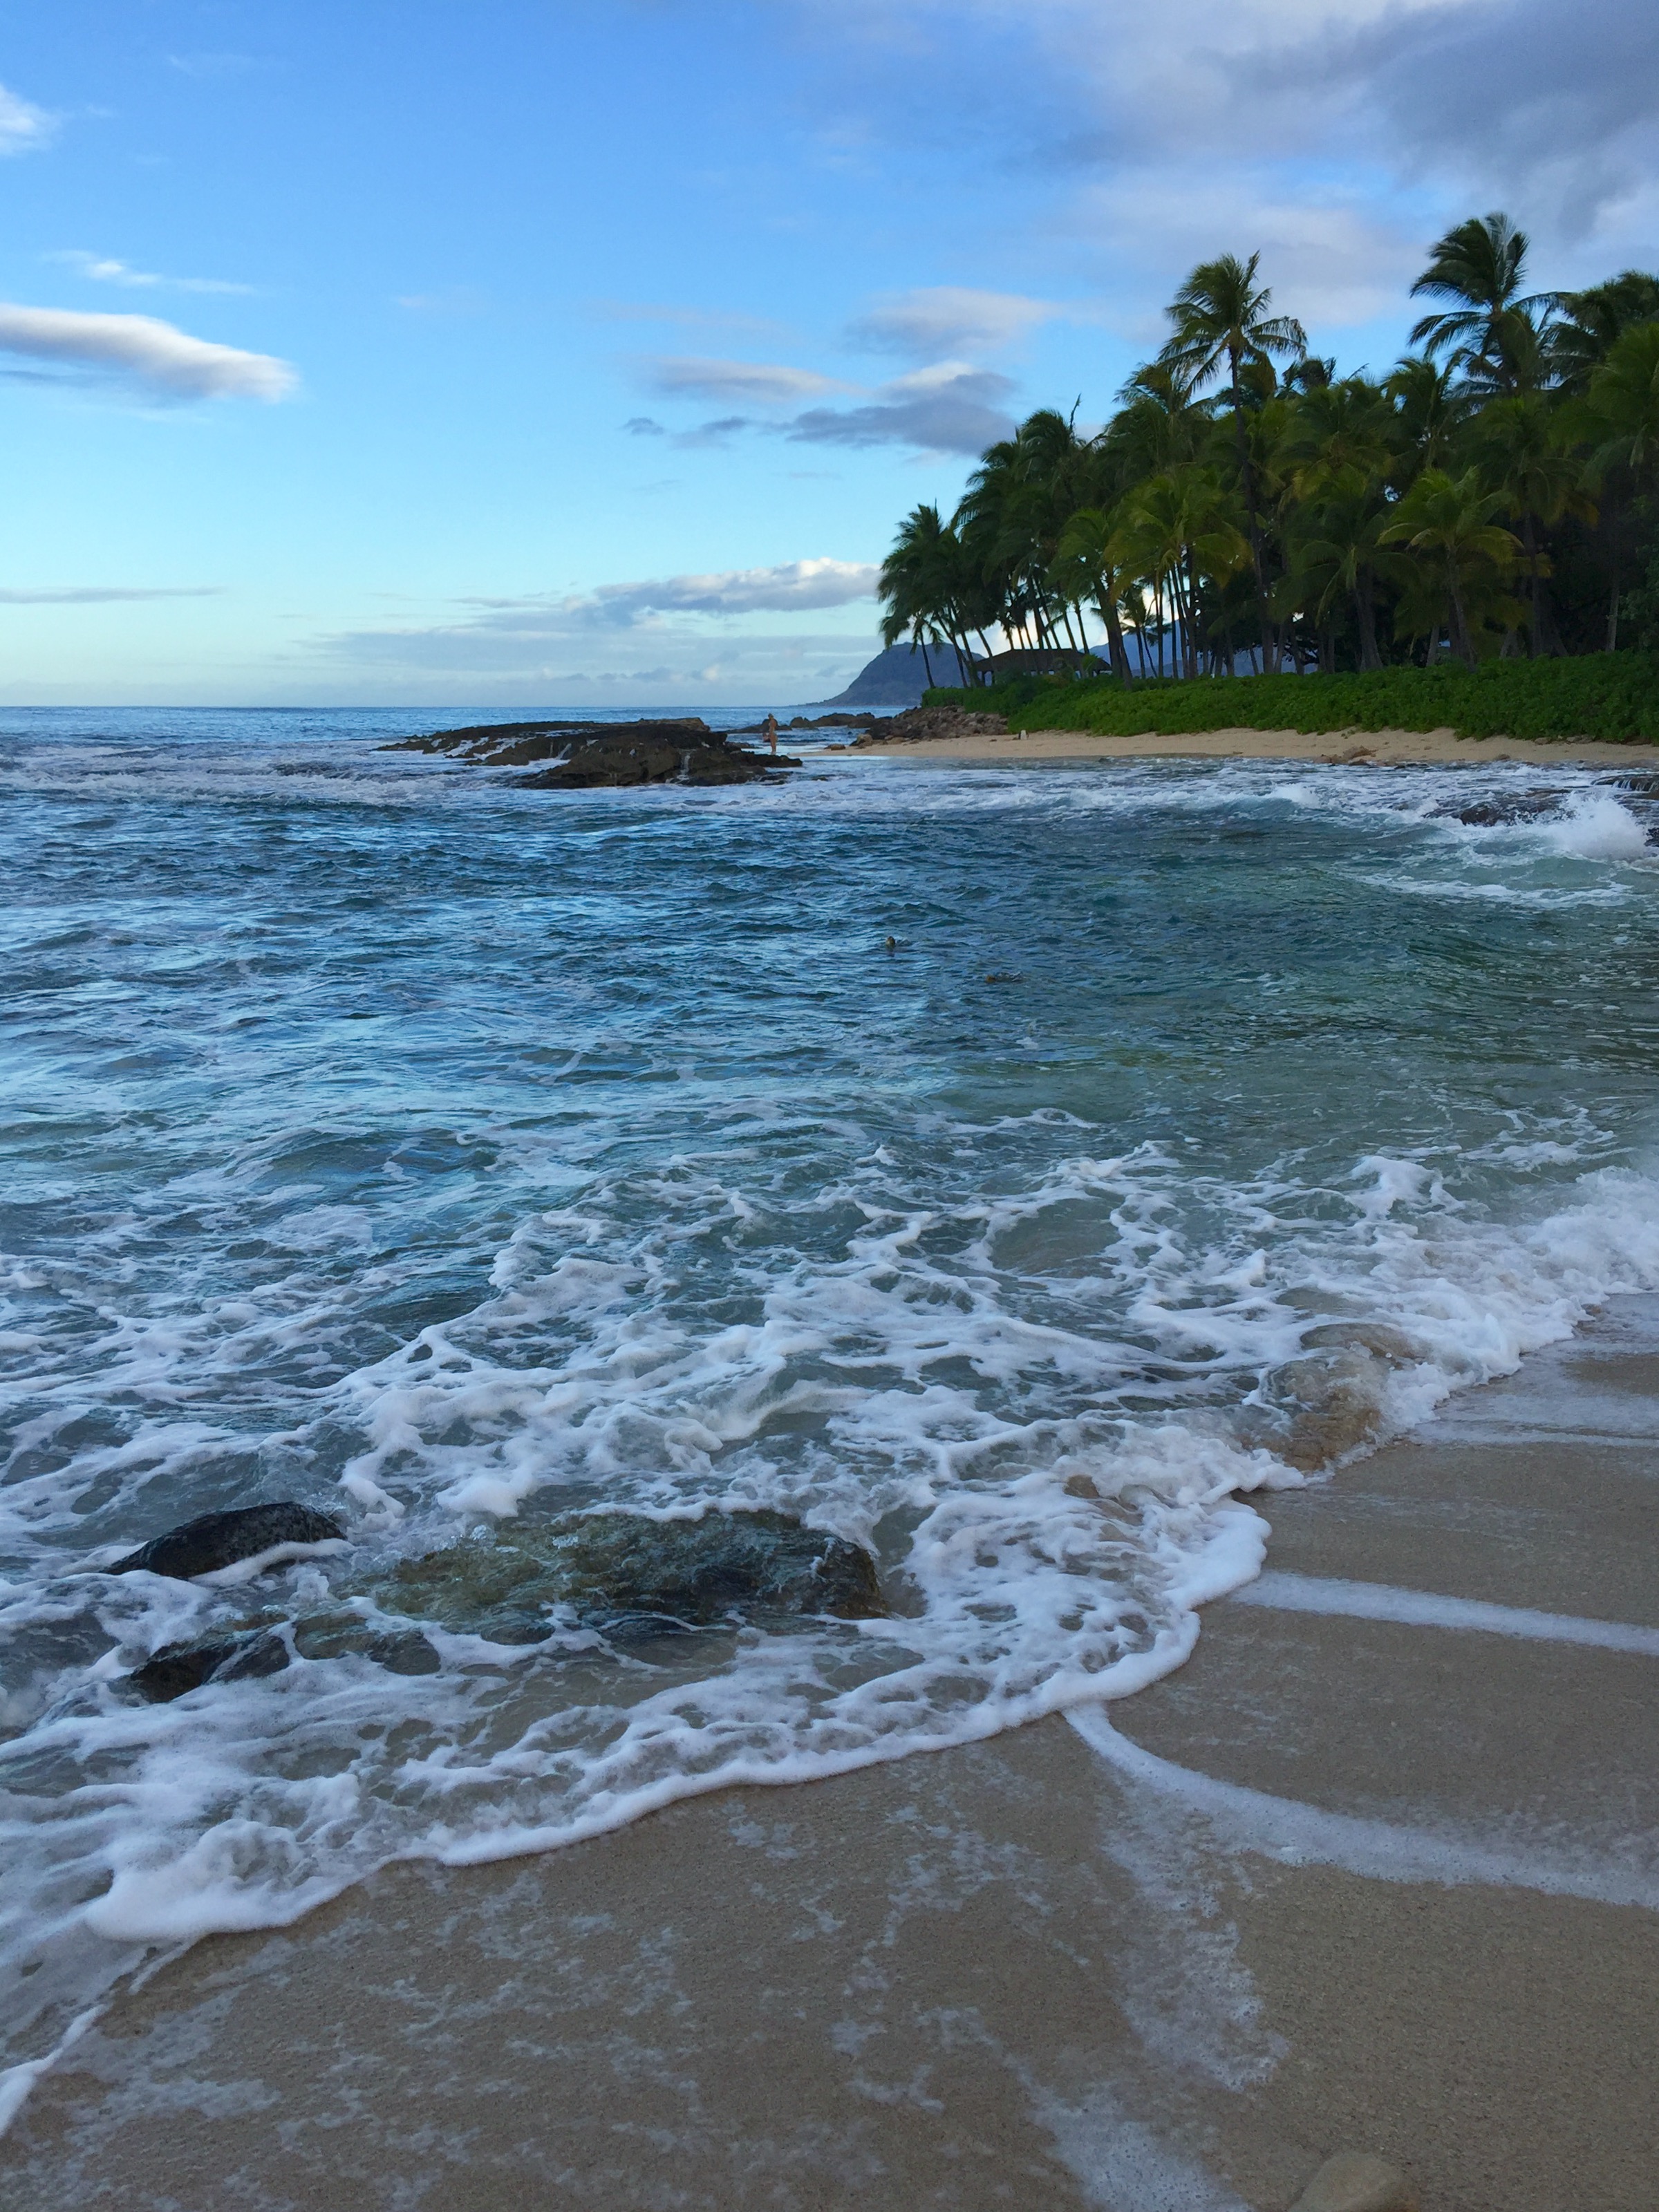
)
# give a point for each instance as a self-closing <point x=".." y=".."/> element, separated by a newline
<point x="1362" y="1875"/>
<point x="1332" y="748"/>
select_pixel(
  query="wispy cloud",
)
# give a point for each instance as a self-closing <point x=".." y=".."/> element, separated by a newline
<point x="24" y="128"/>
<point x="98" y="595"/>
<point x="680" y="632"/>
<point x="677" y="627"/>
<point x="947" y="407"/>
<point x="166" y="361"/>
<point x="685" y="376"/>
<point x="938" y="319"/>
<point x="950" y="408"/>
<point x="104" y="269"/>
<point x="790" y="587"/>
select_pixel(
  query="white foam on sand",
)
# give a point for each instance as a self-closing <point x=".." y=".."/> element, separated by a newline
<point x="1287" y="1592"/>
<point x="1300" y="1834"/>
<point x="1037" y="1378"/>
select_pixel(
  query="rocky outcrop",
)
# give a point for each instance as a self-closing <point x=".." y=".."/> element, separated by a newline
<point x="1507" y="807"/>
<point x="633" y="1579"/>
<point x="589" y="755"/>
<point x="257" y="1535"/>
<point x="866" y="721"/>
<point x="922" y="724"/>
<point x="625" y="1572"/>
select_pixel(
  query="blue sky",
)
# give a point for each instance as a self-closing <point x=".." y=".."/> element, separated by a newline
<point x="523" y="353"/>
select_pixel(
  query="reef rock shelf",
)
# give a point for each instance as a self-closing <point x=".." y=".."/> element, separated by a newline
<point x="583" y="756"/>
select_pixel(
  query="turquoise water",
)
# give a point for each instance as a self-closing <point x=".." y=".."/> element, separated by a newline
<point x="382" y="1135"/>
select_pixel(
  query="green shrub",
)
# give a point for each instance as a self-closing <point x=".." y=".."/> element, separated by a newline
<point x="1614" y="696"/>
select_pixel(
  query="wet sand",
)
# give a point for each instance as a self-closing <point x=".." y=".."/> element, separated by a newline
<point x="1341" y="1882"/>
<point x="1384" y="748"/>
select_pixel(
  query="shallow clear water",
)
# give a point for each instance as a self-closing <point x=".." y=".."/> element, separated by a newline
<point x="382" y="1135"/>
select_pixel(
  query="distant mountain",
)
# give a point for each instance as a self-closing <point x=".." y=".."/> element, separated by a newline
<point x="898" y="677"/>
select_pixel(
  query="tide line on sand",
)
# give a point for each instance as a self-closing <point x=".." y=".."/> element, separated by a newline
<point x="1287" y="1592"/>
<point x="1299" y="1834"/>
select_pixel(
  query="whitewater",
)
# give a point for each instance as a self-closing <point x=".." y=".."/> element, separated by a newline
<point x="382" y="1135"/>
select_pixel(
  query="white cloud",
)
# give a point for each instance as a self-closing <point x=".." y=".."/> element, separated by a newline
<point x="793" y="586"/>
<point x="945" y="319"/>
<point x="949" y="407"/>
<point x="24" y="128"/>
<point x="789" y="588"/>
<point x="1204" y="124"/>
<point x="103" y="269"/>
<point x="167" y="361"/>
<point x="755" y="383"/>
<point x="654" y="636"/>
<point x="98" y="595"/>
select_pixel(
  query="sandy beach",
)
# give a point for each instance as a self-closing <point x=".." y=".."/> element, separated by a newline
<point x="1357" y="748"/>
<point x="1373" y="1871"/>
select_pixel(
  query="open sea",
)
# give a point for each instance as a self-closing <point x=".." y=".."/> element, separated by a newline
<point x="378" y="1134"/>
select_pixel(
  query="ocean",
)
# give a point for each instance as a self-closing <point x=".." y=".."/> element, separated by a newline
<point x="1014" y="1170"/>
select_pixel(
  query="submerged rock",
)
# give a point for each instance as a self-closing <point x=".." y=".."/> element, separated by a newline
<point x="623" y="1572"/>
<point x="586" y="756"/>
<point x="268" y="1533"/>
<point x="1509" y="807"/>
<point x="234" y="1654"/>
<point x="179" y="1667"/>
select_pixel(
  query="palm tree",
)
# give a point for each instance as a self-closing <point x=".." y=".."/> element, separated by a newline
<point x="1430" y="409"/>
<point x="1448" y="520"/>
<point x="1623" y="407"/>
<point x="1088" y="561"/>
<point x="920" y="581"/>
<point x="1480" y="266"/>
<point x="1526" y="457"/>
<point x="1221" y="320"/>
<point x="1624" y="401"/>
<point x="1592" y="322"/>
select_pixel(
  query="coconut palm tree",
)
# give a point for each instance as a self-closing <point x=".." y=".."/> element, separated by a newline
<point x="1623" y="411"/>
<point x="1592" y="322"/>
<point x="1448" y="520"/>
<point x="1430" y="409"/>
<point x="1088" y="563"/>
<point x="1529" y="457"/>
<point x="921" y="582"/>
<point x="1480" y="266"/>
<point x="1221" y="322"/>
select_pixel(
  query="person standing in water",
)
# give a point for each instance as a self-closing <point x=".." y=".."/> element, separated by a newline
<point x="769" y="732"/>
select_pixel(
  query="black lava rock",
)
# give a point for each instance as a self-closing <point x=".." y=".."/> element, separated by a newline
<point x="236" y="1655"/>
<point x="1511" y="807"/>
<point x="588" y="756"/>
<point x="615" y="1572"/>
<point x="222" y="1540"/>
<point x="179" y="1667"/>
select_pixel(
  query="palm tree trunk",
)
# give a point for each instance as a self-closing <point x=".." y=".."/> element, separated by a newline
<point x="1612" y="618"/>
<point x="1529" y="541"/>
<point x="1114" y="636"/>
<point x="1247" y="482"/>
<point x="1364" y="603"/>
<point x="926" y="663"/>
<point x="1462" y="644"/>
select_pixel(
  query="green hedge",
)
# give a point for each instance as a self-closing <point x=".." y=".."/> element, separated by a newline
<point x="1609" y="696"/>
